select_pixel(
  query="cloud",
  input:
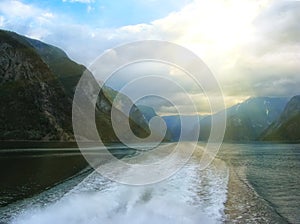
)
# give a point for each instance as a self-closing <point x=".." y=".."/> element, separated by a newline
<point x="1" y="21"/>
<point x="280" y="22"/>
<point x="268" y="64"/>
<point x="25" y="18"/>
<point x="13" y="8"/>
<point x="80" y="1"/>
<point x="251" y="46"/>
<point x="253" y="49"/>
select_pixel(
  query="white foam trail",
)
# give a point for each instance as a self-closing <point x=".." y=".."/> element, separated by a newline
<point x="190" y="196"/>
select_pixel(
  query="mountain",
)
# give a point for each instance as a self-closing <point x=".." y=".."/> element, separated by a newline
<point x="287" y="126"/>
<point x="37" y="84"/>
<point x="149" y="113"/>
<point x="247" y="120"/>
<point x="33" y="102"/>
<point x="174" y="125"/>
<point x="137" y="121"/>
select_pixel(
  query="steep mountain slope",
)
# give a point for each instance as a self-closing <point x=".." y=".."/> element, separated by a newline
<point x="33" y="103"/>
<point x="246" y="121"/>
<point x="37" y="86"/>
<point x="136" y="115"/>
<point x="137" y="121"/>
<point x="67" y="71"/>
<point x="287" y="126"/>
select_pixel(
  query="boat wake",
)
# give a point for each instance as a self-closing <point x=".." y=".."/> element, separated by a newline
<point x="190" y="196"/>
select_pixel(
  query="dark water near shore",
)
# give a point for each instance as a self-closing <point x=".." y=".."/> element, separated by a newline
<point x="273" y="170"/>
<point x="25" y="172"/>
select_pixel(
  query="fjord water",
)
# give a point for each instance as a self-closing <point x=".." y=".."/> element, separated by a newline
<point x="270" y="171"/>
<point x="190" y="196"/>
<point x="273" y="172"/>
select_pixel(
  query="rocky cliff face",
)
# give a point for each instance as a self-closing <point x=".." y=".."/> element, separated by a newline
<point x="37" y="83"/>
<point x="287" y="126"/>
<point x="33" y="103"/>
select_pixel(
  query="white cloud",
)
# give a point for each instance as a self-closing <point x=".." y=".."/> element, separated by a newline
<point x="80" y="1"/>
<point x="1" y="21"/>
<point x="89" y="8"/>
<point x="14" y="8"/>
<point x="27" y="19"/>
<point x="48" y="15"/>
<point x="252" y="46"/>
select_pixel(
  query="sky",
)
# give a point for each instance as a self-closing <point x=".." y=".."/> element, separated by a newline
<point x="251" y="46"/>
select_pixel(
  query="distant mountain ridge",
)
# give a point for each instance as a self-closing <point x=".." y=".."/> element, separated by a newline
<point x="247" y="120"/>
<point x="37" y="84"/>
<point x="174" y="124"/>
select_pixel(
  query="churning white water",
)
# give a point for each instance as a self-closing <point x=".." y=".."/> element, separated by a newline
<point x="190" y="196"/>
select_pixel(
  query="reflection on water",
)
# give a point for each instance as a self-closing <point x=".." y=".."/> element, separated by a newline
<point x="25" y="172"/>
<point x="25" y="175"/>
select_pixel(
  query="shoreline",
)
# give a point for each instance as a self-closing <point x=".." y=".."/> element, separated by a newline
<point x="243" y="204"/>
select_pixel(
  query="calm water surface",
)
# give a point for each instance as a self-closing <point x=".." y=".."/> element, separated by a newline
<point x="273" y="170"/>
